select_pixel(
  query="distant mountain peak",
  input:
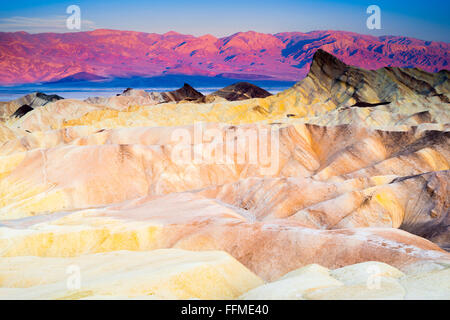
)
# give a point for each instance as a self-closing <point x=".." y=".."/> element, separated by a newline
<point x="80" y="76"/>
<point x="171" y="33"/>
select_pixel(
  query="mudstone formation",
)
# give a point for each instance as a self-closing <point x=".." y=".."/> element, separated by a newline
<point x="337" y="188"/>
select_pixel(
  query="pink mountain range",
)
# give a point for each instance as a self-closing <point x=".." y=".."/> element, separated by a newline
<point x="28" y="58"/>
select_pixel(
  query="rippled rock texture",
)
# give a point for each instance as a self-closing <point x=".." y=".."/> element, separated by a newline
<point x="334" y="189"/>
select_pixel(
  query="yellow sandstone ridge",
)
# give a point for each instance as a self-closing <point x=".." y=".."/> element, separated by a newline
<point x="161" y="274"/>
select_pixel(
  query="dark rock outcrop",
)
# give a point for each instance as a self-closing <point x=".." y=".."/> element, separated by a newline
<point x="241" y="91"/>
<point x="185" y="93"/>
<point x="23" y="110"/>
<point x="42" y="98"/>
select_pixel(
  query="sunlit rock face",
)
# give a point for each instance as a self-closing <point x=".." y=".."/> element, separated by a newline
<point x="334" y="189"/>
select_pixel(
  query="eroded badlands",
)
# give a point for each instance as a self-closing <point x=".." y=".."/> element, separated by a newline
<point x="334" y="189"/>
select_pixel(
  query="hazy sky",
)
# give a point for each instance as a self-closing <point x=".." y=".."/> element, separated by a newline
<point x="428" y="20"/>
